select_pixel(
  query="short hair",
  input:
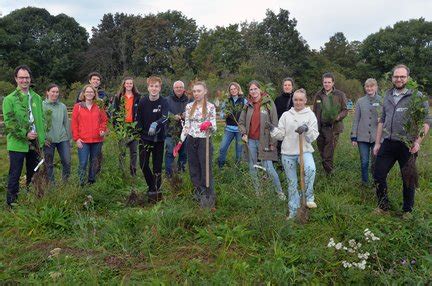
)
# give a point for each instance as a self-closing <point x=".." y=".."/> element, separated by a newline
<point x="50" y="86"/>
<point x="401" y="66"/>
<point x="288" y="79"/>
<point x="328" y="75"/>
<point x="22" y="67"/>
<point x="237" y="86"/>
<point x="371" y="81"/>
<point x="82" y="93"/>
<point x="301" y="91"/>
<point x="179" y="81"/>
<point x="92" y="74"/>
<point x="254" y="82"/>
<point x="153" y="79"/>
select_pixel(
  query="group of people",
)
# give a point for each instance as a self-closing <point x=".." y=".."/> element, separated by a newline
<point x="264" y="130"/>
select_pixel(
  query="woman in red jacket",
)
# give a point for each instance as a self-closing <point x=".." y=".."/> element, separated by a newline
<point x="89" y="126"/>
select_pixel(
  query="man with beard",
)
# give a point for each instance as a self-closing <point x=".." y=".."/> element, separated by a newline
<point x="392" y="149"/>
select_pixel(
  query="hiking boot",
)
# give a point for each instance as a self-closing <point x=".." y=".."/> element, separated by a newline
<point x="380" y="211"/>
<point x="311" y="205"/>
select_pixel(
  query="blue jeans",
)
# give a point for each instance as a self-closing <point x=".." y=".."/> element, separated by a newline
<point x="89" y="152"/>
<point x="365" y="150"/>
<point x="290" y="166"/>
<point x="169" y="157"/>
<point x="63" y="148"/>
<point x="226" y="141"/>
<point x="253" y="146"/>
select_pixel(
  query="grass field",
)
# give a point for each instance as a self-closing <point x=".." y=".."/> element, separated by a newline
<point x="66" y="238"/>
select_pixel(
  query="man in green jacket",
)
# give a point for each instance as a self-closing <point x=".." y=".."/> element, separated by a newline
<point x="24" y="123"/>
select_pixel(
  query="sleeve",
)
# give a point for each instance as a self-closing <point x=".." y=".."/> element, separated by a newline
<point x="428" y="116"/>
<point x="66" y="123"/>
<point x="186" y="126"/>
<point x="164" y="118"/>
<point x="278" y="132"/>
<point x="140" y="115"/>
<point x="382" y="118"/>
<point x="75" y="122"/>
<point x="222" y="110"/>
<point x="8" y="110"/>
<point x="312" y="133"/>
<point x="242" y="121"/>
<point x="356" y="121"/>
<point x="273" y="120"/>
<point x="344" y="110"/>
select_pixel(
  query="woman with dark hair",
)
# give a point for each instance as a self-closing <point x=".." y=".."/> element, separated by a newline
<point x="284" y="101"/>
<point x="258" y="112"/>
<point x="231" y="108"/>
<point x="58" y="132"/>
<point x="89" y="126"/>
<point x="125" y="105"/>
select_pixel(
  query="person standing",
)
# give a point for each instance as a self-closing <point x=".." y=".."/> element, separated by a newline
<point x="233" y="106"/>
<point x="58" y="135"/>
<point x="285" y="101"/>
<point x="177" y="102"/>
<point x="330" y="109"/>
<point x="392" y="148"/>
<point x="125" y="103"/>
<point x="24" y="124"/>
<point x="365" y="122"/>
<point x="89" y="126"/>
<point x="151" y="117"/>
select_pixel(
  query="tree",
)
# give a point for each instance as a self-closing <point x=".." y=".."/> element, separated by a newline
<point x="51" y="45"/>
<point x="408" y="42"/>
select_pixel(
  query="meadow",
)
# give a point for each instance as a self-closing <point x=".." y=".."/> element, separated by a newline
<point x="99" y="235"/>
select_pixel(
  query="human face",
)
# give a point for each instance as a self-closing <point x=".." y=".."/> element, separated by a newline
<point x="254" y="92"/>
<point x="128" y="85"/>
<point x="287" y="86"/>
<point x="154" y="88"/>
<point x="328" y="84"/>
<point x="178" y="89"/>
<point x="95" y="81"/>
<point x="53" y="94"/>
<point x="234" y="90"/>
<point x="371" y="89"/>
<point x="299" y="101"/>
<point x="400" y="78"/>
<point x="199" y="92"/>
<point x="89" y="94"/>
<point x="23" y="80"/>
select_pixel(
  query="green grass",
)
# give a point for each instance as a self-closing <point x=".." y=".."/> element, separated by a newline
<point x="246" y="241"/>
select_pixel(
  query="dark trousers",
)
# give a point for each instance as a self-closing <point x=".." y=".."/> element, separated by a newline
<point x="196" y="152"/>
<point x="63" y="148"/>
<point x="169" y="156"/>
<point x="16" y="162"/>
<point x="133" y="152"/>
<point x="389" y="153"/>
<point x="327" y="141"/>
<point x="156" y="150"/>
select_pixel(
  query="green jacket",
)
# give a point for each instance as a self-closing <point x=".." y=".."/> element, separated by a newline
<point x="17" y="104"/>
<point x="59" y="129"/>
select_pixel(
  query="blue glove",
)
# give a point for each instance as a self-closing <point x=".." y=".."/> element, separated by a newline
<point x="152" y="129"/>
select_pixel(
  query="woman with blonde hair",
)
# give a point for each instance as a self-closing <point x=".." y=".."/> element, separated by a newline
<point x="89" y="126"/>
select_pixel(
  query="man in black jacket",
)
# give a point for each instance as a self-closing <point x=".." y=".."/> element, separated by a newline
<point x="177" y="101"/>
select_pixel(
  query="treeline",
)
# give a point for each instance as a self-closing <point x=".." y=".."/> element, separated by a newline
<point x="170" y="44"/>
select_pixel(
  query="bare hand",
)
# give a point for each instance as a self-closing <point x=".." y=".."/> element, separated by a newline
<point x="79" y="143"/>
<point x="354" y="143"/>
<point x="102" y="133"/>
<point x="415" y="148"/>
<point x="32" y="135"/>
<point x="245" y="138"/>
<point x="376" y="148"/>
<point x="47" y="143"/>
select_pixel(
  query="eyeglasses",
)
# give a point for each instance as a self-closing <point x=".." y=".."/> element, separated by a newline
<point x="400" y="77"/>
<point x="23" y="77"/>
<point x="253" y="89"/>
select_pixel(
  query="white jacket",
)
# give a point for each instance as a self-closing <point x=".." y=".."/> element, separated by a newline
<point x="288" y="123"/>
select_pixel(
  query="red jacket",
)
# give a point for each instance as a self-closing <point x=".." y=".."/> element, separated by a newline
<point x="87" y="124"/>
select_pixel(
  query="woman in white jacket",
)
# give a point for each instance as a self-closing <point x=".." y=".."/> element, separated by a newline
<point x="299" y="119"/>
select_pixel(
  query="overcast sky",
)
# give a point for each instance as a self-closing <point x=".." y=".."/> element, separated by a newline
<point x="317" y="20"/>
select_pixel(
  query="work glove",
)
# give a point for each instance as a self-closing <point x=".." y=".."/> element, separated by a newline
<point x="205" y="125"/>
<point x="152" y="129"/>
<point x="302" y="129"/>
<point x="177" y="148"/>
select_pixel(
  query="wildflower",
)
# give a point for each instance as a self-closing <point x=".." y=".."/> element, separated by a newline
<point x="403" y="261"/>
<point x="331" y="242"/>
<point x="346" y="264"/>
<point x="55" y="252"/>
<point x="352" y="243"/>
<point x="54" y="275"/>
<point x="413" y="261"/>
<point x="338" y="246"/>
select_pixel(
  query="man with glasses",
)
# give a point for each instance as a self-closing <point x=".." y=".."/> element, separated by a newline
<point x="24" y="123"/>
<point x="393" y="148"/>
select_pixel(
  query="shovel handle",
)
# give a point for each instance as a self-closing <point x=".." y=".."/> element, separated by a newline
<point x="207" y="159"/>
<point x="302" y="179"/>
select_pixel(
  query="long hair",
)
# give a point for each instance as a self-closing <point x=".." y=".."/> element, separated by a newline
<point x="195" y="103"/>
<point x="122" y="89"/>
<point x="240" y="91"/>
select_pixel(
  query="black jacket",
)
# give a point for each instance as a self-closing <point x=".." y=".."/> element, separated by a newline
<point x="115" y="107"/>
<point x="239" y="103"/>
<point x="176" y="106"/>
<point x="283" y="103"/>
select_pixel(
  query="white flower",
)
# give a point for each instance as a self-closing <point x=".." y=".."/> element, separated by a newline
<point x="331" y="242"/>
<point x="352" y="242"/>
<point x="350" y="250"/>
<point x="338" y="245"/>
<point x="345" y="248"/>
<point x="346" y="264"/>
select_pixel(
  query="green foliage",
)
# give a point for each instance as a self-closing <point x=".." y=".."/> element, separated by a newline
<point x="330" y="109"/>
<point x="6" y="88"/>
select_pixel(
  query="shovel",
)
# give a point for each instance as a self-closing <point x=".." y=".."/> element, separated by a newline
<point x="207" y="197"/>
<point x="302" y="211"/>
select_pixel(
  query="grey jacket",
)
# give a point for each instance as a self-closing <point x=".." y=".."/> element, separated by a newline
<point x="393" y="116"/>
<point x="267" y="145"/>
<point x="365" y="120"/>
<point x="59" y="130"/>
